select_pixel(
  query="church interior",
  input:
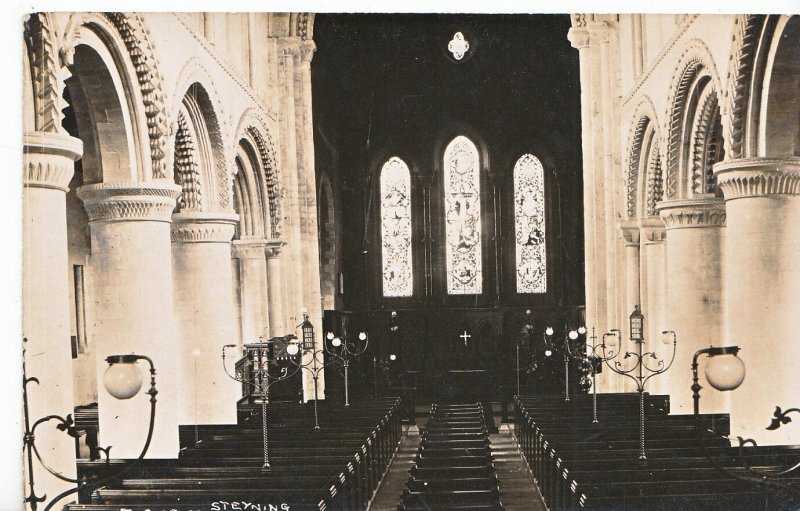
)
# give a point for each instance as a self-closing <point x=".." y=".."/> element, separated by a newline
<point x="297" y="261"/>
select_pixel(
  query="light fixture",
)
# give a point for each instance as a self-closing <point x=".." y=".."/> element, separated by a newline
<point x="123" y="377"/>
<point x="582" y="330"/>
<point x="637" y="325"/>
<point x="344" y="353"/>
<point x="329" y="336"/>
<point x="261" y="380"/>
<point x="392" y="357"/>
<point x="548" y="352"/>
<point x="573" y="335"/>
<point x="123" y="380"/>
<point x="548" y="330"/>
<point x="725" y="370"/>
<point x="639" y="371"/>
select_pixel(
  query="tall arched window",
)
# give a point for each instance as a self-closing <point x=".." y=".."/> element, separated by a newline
<point x="462" y="190"/>
<point x="529" y="225"/>
<point x="396" y="228"/>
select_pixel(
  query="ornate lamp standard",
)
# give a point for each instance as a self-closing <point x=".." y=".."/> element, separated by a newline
<point x="122" y="379"/>
<point x="566" y="349"/>
<point x="345" y="352"/>
<point x="639" y="372"/>
<point x="314" y="363"/>
<point x="595" y="357"/>
<point x="725" y="371"/>
<point x="261" y="382"/>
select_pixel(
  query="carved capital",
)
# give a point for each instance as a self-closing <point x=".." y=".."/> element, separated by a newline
<point x="578" y="36"/>
<point x="692" y="213"/>
<point x="192" y="227"/>
<point x="49" y="159"/>
<point x="630" y="231"/>
<point x="248" y="248"/>
<point x="123" y="202"/>
<point x="653" y="230"/>
<point x="758" y="177"/>
<point x="273" y="248"/>
<point x="598" y="31"/>
<point x="307" y="50"/>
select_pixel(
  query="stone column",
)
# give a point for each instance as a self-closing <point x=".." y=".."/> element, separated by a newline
<point x="630" y="233"/>
<point x="579" y="37"/>
<point x="654" y="297"/>
<point x="253" y="282"/>
<point x="761" y="282"/>
<point x="48" y="164"/>
<point x="694" y="228"/>
<point x="201" y="252"/>
<point x="132" y="276"/>
<point x="277" y="321"/>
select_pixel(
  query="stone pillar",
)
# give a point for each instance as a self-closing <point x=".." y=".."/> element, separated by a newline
<point x="132" y="277"/>
<point x="312" y="293"/>
<point x="694" y="229"/>
<point x="253" y="282"/>
<point x="201" y="252"/>
<point x="579" y="37"/>
<point x="630" y="233"/>
<point x="48" y="165"/>
<point x="654" y="297"/>
<point x="277" y="321"/>
<point x="761" y="279"/>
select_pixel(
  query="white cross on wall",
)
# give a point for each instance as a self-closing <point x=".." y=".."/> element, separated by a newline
<point x="465" y="336"/>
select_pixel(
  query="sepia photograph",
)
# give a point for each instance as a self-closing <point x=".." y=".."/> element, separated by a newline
<point x="382" y="259"/>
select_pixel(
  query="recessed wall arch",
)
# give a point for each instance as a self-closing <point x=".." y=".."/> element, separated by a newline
<point x="252" y="127"/>
<point x="694" y="75"/>
<point x="643" y="128"/>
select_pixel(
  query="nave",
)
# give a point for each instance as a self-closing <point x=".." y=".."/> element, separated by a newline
<point x="375" y="455"/>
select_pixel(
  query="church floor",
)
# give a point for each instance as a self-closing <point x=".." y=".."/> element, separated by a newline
<point x="518" y="491"/>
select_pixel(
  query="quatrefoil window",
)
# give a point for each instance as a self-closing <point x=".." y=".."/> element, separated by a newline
<point x="458" y="46"/>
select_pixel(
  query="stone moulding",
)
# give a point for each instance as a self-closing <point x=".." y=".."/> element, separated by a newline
<point x="47" y="88"/>
<point x="692" y="213"/>
<point x="143" y="60"/>
<point x="248" y="248"/>
<point x="758" y="177"/>
<point x="273" y="248"/>
<point x="109" y="202"/>
<point x="48" y="159"/>
<point x="203" y="227"/>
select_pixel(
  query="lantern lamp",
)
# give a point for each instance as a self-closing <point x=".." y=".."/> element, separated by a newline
<point x="308" y="333"/>
<point x="637" y="325"/>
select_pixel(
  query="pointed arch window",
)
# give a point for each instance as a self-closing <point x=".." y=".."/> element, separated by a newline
<point x="462" y="189"/>
<point x="529" y="225"/>
<point x="395" y="183"/>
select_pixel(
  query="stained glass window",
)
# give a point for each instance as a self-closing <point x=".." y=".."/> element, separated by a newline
<point x="530" y="225"/>
<point x="462" y="189"/>
<point x="396" y="228"/>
